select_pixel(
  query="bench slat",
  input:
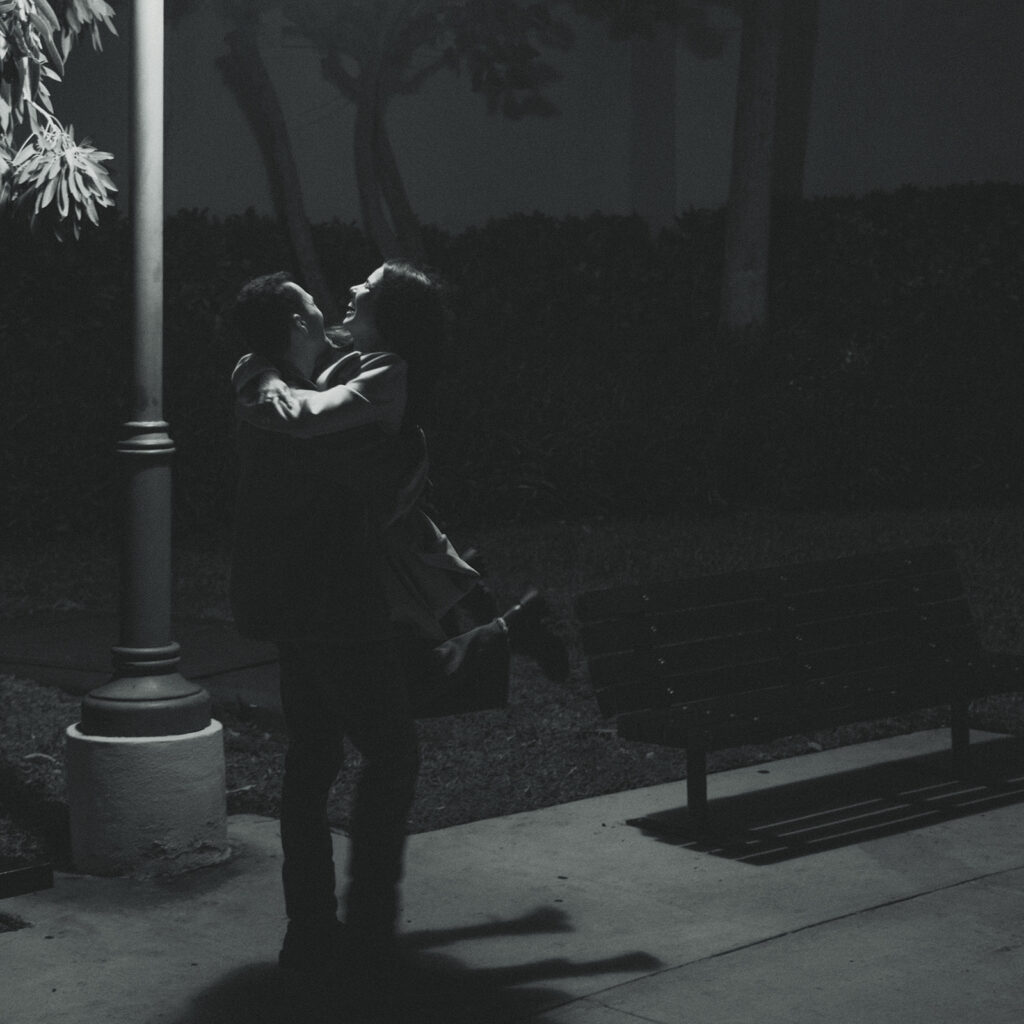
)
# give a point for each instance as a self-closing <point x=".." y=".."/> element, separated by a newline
<point x="720" y="682"/>
<point x="729" y="588"/>
<point x="679" y="659"/>
<point x="662" y="691"/>
<point x="838" y="646"/>
<point x="935" y="623"/>
<point x="815" y="615"/>
<point x="676" y="625"/>
<point x="748" y="717"/>
<point x="888" y="651"/>
<point x="811" y="605"/>
<point x="839" y="572"/>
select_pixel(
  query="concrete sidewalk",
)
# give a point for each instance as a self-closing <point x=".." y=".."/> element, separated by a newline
<point x="896" y="896"/>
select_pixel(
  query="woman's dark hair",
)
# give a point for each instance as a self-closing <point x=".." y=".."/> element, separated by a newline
<point x="260" y="317"/>
<point x="411" y="316"/>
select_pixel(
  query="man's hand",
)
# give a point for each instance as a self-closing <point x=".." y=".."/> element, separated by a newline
<point x="275" y="398"/>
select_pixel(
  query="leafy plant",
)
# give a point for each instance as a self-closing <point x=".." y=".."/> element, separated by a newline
<point x="43" y="170"/>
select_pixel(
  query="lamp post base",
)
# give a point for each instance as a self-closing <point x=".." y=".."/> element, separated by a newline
<point x="164" y="704"/>
<point x="147" y="805"/>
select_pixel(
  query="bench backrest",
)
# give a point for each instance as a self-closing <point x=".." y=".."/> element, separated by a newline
<point x="721" y="649"/>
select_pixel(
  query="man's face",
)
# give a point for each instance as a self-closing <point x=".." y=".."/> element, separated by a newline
<point x="308" y="321"/>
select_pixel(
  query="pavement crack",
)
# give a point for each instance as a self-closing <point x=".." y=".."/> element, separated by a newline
<point x="851" y="914"/>
<point x="594" y="997"/>
<point x="594" y="1001"/>
<point x="629" y="1013"/>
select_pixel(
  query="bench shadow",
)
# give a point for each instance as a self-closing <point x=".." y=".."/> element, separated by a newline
<point x="435" y="988"/>
<point x="808" y="817"/>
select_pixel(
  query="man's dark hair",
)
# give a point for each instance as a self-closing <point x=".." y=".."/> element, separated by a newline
<point x="261" y="315"/>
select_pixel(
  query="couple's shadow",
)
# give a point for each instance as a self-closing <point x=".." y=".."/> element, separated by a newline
<point x="436" y="988"/>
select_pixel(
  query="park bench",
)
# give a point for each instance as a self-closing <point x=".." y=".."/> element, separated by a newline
<point x="748" y="657"/>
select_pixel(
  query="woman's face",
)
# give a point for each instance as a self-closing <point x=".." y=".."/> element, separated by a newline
<point x="359" y="320"/>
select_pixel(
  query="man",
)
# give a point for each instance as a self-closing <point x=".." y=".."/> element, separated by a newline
<point x="304" y="575"/>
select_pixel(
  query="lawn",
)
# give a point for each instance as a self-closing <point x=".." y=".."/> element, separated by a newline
<point x="550" y="745"/>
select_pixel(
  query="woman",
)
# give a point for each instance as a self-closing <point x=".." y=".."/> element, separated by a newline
<point x="379" y="390"/>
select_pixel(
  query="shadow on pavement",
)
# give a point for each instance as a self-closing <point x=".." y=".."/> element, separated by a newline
<point x="807" y="817"/>
<point x="435" y="988"/>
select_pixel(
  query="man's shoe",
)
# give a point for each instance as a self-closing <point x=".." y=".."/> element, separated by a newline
<point x="530" y="633"/>
<point x="366" y="973"/>
<point x="313" y="951"/>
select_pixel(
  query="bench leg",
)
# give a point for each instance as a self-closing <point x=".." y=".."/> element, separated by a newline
<point x="697" y="782"/>
<point x="961" y="736"/>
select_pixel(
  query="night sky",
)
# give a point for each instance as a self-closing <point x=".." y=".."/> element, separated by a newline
<point x="928" y="92"/>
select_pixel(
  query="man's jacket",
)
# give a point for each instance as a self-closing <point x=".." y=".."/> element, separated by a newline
<point x="306" y="555"/>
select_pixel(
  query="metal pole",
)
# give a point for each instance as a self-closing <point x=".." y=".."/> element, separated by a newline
<point x="147" y="696"/>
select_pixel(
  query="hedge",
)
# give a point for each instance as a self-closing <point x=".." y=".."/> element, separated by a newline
<point x="573" y="386"/>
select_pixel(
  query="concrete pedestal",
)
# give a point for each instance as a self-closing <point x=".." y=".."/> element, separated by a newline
<point x="147" y="805"/>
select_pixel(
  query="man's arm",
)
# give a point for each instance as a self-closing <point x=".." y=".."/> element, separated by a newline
<point x="348" y="432"/>
<point x="376" y="394"/>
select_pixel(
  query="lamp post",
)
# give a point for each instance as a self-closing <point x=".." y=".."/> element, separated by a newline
<point x="147" y="696"/>
<point x="146" y="763"/>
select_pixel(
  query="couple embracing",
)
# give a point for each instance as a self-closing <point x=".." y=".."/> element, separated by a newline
<point x="336" y="562"/>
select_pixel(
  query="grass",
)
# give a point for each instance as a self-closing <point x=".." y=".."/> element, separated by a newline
<point x="550" y="746"/>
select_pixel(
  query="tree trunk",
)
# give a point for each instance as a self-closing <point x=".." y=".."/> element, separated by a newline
<point x="652" y="133"/>
<point x="743" y="312"/>
<point x="793" y="110"/>
<point x="387" y="215"/>
<point x="247" y="77"/>
<point x="371" y="203"/>
<point x="395" y="198"/>
<point x="744" y="300"/>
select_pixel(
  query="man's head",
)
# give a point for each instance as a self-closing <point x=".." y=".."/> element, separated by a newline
<point x="275" y="317"/>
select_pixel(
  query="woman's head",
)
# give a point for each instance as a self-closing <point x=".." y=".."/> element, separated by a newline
<point x="401" y="308"/>
<point x="361" y="316"/>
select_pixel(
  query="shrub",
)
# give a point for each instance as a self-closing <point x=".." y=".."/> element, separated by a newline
<point x="893" y="374"/>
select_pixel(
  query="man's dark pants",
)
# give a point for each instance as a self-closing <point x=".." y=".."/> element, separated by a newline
<point x="329" y="692"/>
